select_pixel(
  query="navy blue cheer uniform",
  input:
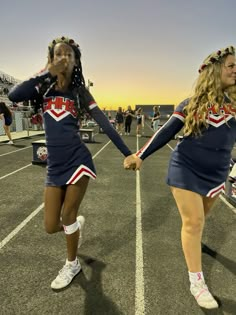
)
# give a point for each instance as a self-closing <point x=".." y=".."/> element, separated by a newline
<point x="68" y="157"/>
<point x="199" y="164"/>
<point x="7" y="116"/>
<point x="139" y="119"/>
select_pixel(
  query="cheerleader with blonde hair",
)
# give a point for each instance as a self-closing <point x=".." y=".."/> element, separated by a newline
<point x="199" y="164"/>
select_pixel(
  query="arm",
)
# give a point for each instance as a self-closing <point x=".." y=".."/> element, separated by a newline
<point x="156" y="118"/>
<point x="162" y="136"/>
<point x="28" y="89"/>
<point x="87" y="101"/>
<point x="158" y="140"/>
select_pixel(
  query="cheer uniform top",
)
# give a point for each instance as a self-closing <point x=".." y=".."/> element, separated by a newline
<point x="128" y="116"/>
<point x="68" y="157"/>
<point x="119" y="118"/>
<point x="7" y="116"/>
<point x="139" y="119"/>
<point x="156" y="117"/>
<point x="199" y="164"/>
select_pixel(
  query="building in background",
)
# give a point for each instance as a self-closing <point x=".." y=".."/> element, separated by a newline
<point x="21" y="112"/>
<point x="6" y="83"/>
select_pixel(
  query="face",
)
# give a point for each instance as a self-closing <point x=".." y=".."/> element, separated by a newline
<point x="228" y="72"/>
<point x="64" y="52"/>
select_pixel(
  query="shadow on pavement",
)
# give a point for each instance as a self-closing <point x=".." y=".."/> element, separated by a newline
<point x="226" y="262"/>
<point x="226" y="307"/>
<point x="96" y="302"/>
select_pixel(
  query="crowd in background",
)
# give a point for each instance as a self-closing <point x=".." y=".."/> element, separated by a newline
<point x="124" y="118"/>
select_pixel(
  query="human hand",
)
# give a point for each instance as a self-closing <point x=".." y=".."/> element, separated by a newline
<point x="132" y="162"/>
<point x="58" y="67"/>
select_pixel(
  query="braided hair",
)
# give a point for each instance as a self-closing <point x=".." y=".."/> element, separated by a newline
<point x="77" y="78"/>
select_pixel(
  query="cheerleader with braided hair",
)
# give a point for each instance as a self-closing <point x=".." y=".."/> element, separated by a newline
<point x="60" y="90"/>
<point x="200" y="163"/>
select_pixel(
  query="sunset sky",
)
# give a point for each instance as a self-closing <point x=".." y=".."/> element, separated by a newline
<point x="134" y="51"/>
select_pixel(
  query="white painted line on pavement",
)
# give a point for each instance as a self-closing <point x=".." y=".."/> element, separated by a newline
<point x="19" y="169"/>
<point x="35" y="212"/>
<point x="139" y="274"/>
<point x="20" y="226"/>
<point x="31" y="163"/>
<point x="15" y="151"/>
<point x="228" y="204"/>
<point x="101" y="149"/>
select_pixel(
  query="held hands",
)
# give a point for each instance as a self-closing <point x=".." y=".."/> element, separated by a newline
<point x="132" y="162"/>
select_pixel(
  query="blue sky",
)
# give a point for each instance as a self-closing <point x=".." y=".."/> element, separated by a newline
<point x="135" y="52"/>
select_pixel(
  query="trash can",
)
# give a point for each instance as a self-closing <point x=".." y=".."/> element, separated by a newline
<point x="40" y="152"/>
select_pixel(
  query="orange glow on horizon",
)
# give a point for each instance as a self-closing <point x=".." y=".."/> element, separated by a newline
<point x="112" y="101"/>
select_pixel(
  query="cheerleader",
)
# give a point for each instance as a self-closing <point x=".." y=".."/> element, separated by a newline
<point x="200" y="163"/>
<point x="60" y="90"/>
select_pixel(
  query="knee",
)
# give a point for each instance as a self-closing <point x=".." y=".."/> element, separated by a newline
<point x="51" y="228"/>
<point x="193" y="226"/>
<point x="69" y="217"/>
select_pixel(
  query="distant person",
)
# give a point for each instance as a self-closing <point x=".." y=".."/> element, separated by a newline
<point x="156" y="118"/>
<point x="199" y="165"/>
<point x="119" y="120"/>
<point x="143" y="122"/>
<point x="60" y="90"/>
<point x="140" y="122"/>
<point x="129" y="114"/>
<point x="6" y="117"/>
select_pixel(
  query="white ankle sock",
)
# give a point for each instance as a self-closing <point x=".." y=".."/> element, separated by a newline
<point x="73" y="263"/>
<point x="79" y="225"/>
<point x="195" y="276"/>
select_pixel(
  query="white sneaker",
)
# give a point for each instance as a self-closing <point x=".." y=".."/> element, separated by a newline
<point x="10" y="142"/>
<point x="202" y="295"/>
<point x="66" y="275"/>
<point x="81" y="220"/>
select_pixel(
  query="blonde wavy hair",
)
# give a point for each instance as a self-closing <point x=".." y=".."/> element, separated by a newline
<point x="207" y="91"/>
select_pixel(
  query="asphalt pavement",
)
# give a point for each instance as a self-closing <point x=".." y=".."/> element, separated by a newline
<point x="131" y="257"/>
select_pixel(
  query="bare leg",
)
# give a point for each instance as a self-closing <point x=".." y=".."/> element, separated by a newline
<point x="208" y="204"/>
<point x="53" y="201"/>
<point x="191" y="209"/>
<point x="73" y="198"/>
<point x="7" y="131"/>
<point x="138" y="130"/>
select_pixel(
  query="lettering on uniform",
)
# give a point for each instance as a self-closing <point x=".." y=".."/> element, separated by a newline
<point x="60" y="103"/>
